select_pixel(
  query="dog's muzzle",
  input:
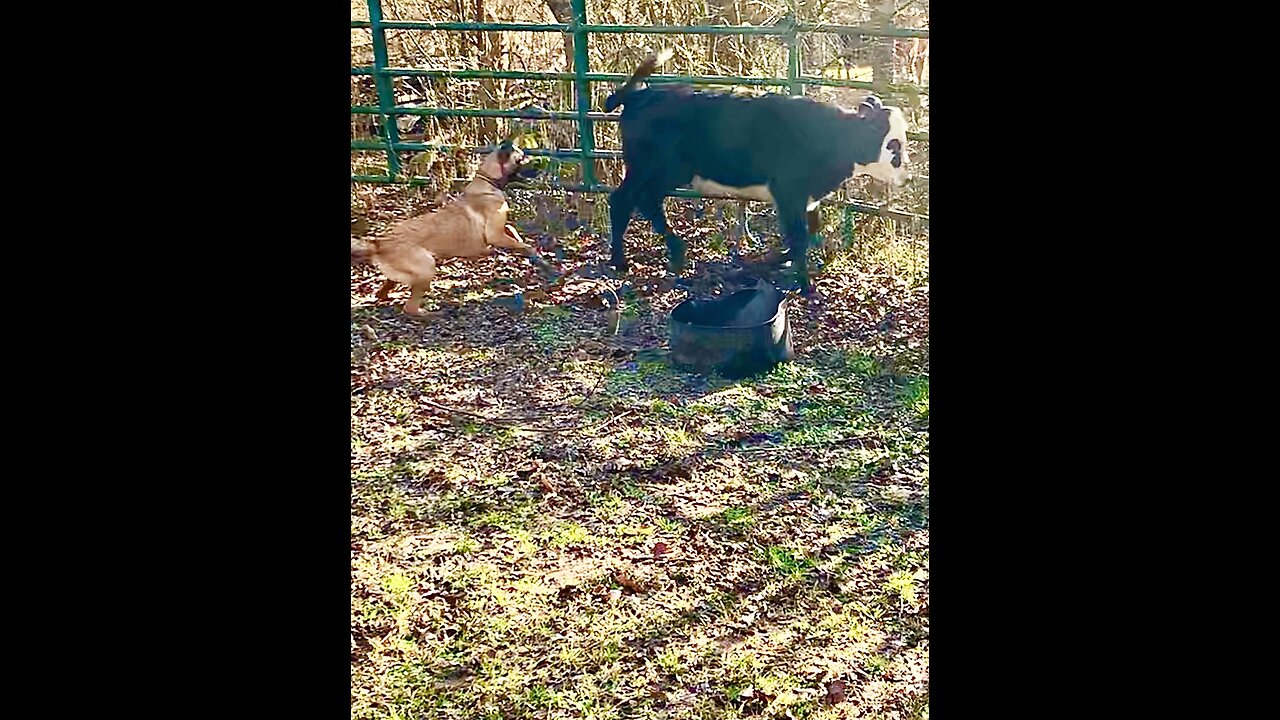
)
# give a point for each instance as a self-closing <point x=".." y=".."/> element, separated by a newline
<point x="527" y="172"/>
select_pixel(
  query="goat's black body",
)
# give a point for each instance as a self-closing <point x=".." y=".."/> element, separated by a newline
<point x="796" y="147"/>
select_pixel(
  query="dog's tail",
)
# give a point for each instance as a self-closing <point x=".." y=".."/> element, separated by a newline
<point x="362" y="252"/>
<point x="646" y="69"/>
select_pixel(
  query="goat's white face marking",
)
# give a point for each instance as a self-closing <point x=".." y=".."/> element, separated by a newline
<point x="891" y="168"/>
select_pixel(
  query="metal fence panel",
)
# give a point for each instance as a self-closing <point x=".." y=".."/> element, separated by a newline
<point x="787" y="29"/>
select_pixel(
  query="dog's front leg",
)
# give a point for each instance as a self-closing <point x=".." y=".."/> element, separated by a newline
<point x="510" y="239"/>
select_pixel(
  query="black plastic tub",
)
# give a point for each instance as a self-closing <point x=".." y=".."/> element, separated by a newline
<point x="740" y="335"/>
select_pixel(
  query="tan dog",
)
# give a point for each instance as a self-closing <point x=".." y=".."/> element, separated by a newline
<point x="470" y="226"/>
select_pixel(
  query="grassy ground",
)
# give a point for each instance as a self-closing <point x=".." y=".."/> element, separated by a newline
<point x="601" y="536"/>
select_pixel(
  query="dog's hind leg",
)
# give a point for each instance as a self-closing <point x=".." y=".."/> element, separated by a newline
<point x="413" y="308"/>
<point x="424" y="270"/>
<point x="385" y="291"/>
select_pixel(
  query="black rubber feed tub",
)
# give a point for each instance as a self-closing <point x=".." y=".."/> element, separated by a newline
<point x="743" y="334"/>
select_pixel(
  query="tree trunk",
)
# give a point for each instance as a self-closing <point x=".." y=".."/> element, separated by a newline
<point x="562" y="10"/>
<point x="882" y="50"/>
<point x="489" y="47"/>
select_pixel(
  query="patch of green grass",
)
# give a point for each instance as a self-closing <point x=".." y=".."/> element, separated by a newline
<point x="676" y="441"/>
<point x="914" y="396"/>
<point x="570" y="533"/>
<point x="786" y="562"/>
<point x="722" y="603"/>
<point x="540" y="696"/>
<point x="658" y="406"/>
<point x="738" y="517"/>
<point x="876" y="664"/>
<point x="556" y="312"/>
<point x="791" y="376"/>
<point x="550" y="328"/>
<point x="634" y="492"/>
<point x="902" y="584"/>
<point x="744" y="662"/>
<point x="637" y="533"/>
<point x="397" y="583"/>
<point x="511" y="518"/>
<point x="781" y="686"/>
<point x="669" y="525"/>
<point x="717" y="243"/>
<point x="605" y="505"/>
<point x="525" y="542"/>
<point x="823" y="410"/>
<point x="669" y="661"/>
<point x="608" y="652"/>
<point x="649" y="377"/>
<point x="853" y="467"/>
<point x="814" y="435"/>
<point x="857" y="363"/>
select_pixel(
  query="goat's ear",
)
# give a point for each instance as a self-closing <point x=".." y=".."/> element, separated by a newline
<point x="870" y="106"/>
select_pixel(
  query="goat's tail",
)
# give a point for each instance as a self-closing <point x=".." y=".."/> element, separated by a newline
<point x="646" y="69"/>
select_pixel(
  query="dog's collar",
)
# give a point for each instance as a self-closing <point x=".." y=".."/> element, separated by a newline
<point x="497" y="184"/>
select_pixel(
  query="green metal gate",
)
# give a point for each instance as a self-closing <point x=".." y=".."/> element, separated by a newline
<point x="788" y="29"/>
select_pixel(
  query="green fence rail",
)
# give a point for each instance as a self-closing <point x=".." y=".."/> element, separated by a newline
<point x="581" y="77"/>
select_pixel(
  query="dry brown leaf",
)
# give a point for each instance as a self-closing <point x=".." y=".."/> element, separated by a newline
<point x="627" y="582"/>
<point x="835" y="692"/>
